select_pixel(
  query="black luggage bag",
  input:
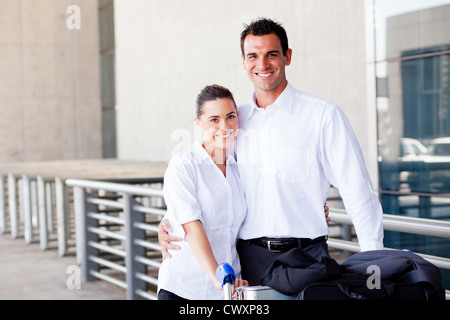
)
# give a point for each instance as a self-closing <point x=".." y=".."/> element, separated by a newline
<point x="355" y="287"/>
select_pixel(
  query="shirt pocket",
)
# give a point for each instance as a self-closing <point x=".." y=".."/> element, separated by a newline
<point x="294" y="165"/>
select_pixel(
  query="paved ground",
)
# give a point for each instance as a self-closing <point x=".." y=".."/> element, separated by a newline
<point x="28" y="273"/>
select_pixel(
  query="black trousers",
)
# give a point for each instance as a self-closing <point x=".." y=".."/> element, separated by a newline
<point x="167" y="295"/>
<point x="255" y="260"/>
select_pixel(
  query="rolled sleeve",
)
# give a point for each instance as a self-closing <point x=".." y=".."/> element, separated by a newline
<point x="180" y="191"/>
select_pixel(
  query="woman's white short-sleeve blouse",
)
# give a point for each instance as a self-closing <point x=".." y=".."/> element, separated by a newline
<point x="196" y="189"/>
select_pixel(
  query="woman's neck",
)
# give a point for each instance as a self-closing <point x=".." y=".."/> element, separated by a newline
<point x="217" y="155"/>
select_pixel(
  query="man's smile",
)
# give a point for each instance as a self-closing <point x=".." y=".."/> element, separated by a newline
<point x="264" y="75"/>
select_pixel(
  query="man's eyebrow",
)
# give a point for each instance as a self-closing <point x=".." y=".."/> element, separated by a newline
<point x="269" y="52"/>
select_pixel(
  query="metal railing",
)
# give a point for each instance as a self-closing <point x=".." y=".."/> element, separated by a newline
<point x="117" y="227"/>
<point x="128" y="235"/>
<point x="37" y="210"/>
<point x="40" y="210"/>
<point x="418" y="226"/>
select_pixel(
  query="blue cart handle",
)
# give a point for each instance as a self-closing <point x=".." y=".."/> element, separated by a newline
<point x="225" y="274"/>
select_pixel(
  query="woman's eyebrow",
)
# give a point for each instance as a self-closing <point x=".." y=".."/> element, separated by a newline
<point x="213" y="116"/>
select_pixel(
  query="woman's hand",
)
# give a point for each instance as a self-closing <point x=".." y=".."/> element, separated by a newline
<point x="238" y="283"/>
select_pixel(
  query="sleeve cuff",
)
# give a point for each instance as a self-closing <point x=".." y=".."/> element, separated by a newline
<point x="371" y="245"/>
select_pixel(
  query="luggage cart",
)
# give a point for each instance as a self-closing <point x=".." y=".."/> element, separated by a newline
<point x="226" y="275"/>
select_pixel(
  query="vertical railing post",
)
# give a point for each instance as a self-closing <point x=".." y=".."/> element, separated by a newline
<point x="43" y="231"/>
<point x="25" y="196"/>
<point x="12" y="205"/>
<point x="49" y="206"/>
<point x="83" y="236"/>
<point x="2" y="206"/>
<point x="34" y="204"/>
<point x="62" y="215"/>
<point x="132" y="249"/>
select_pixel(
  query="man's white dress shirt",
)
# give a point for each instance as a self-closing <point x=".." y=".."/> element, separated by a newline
<point x="288" y="155"/>
<point x="196" y="189"/>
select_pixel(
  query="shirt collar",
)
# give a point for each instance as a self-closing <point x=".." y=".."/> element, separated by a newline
<point x="284" y="101"/>
<point x="201" y="154"/>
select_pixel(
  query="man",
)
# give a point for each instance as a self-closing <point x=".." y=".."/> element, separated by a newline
<point x="291" y="147"/>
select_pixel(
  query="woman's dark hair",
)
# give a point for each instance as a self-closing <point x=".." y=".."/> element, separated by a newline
<point x="211" y="93"/>
<point x="262" y="27"/>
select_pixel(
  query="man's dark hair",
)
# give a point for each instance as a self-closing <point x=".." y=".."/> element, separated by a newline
<point x="262" y="27"/>
<point x="211" y="93"/>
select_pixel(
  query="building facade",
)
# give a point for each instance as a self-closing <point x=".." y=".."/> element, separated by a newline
<point x="50" y="101"/>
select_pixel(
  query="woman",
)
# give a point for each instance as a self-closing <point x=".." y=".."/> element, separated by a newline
<point x="205" y="203"/>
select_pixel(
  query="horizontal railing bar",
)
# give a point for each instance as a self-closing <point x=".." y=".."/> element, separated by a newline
<point x="145" y="226"/>
<point x="146" y="278"/>
<point x="134" y="180"/>
<point x="108" y="279"/>
<point x="157" y="211"/>
<point x="428" y="227"/>
<point x="111" y="210"/>
<point x="148" y="262"/>
<point x="418" y="194"/>
<point x="437" y="228"/>
<point x="109" y="203"/>
<point x="106" y="248"/>
<point x="343" y="245"/>
<point x="105" y="217"/>
<point x="106" y="233"/>
<point x="147" y="244"/>
<point x="117" y="187"/>
<point x="439" y="262"/>
<point x="146" y="295"/>
<point x="108" y="264"/>
<point x="153" y="255"/>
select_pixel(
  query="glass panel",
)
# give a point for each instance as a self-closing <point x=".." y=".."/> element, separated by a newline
<point x="108" y="93"/>
<point x="409" y="24"/>
<point x="413" y="104"/>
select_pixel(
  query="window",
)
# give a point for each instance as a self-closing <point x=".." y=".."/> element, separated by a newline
<point x="413" y="105"/>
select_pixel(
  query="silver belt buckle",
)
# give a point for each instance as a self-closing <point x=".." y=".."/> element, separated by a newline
<point x="269" y="242"/>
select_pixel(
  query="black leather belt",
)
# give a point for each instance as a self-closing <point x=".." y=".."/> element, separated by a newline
<point x="285" y="244"/>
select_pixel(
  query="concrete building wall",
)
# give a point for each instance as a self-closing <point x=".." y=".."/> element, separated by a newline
<point x="167" y="51"/>
<point x="49" y="81"/>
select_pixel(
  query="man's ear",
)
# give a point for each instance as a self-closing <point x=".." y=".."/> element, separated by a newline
<point x="288" y="57"/>
<point x="243" y="60"/>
